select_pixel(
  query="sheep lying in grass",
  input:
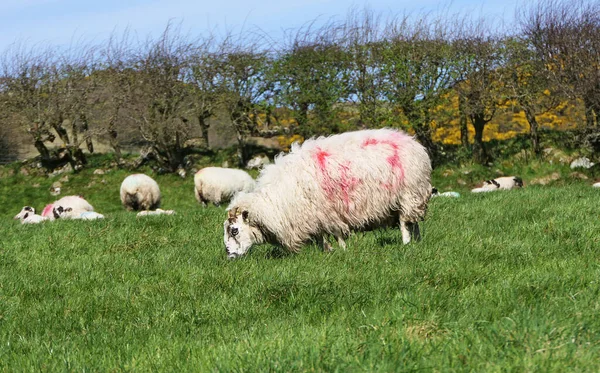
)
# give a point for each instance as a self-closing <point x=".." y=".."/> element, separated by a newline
<point x="78" y="205"/>
<point x="140" y="192"/>
<point x="156" y="212"/>
<point x="435" y="193"/>
<point x="61" y="212"/>
<point x="217" y="184"/>
<point x="332" y="186"/>
<point x="500" y="183"/>
<point x="28" y="216"/>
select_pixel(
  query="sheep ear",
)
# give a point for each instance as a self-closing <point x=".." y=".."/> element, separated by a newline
<point x="245" y="215"/>
<point x="68" y="209"/>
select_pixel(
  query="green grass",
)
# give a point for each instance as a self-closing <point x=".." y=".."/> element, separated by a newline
<point x="505" y="281"/>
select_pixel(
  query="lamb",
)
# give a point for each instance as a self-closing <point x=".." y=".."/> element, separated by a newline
<point x="28" y="216"/>
<point x="332" y="186"/>
<point x="140" y="192"/>
<point x="155" y="212"/>
<point x="217" y="184"/>
<point x="500" y="183"/>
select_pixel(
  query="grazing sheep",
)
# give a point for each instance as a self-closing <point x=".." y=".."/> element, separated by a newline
<point x="140" y="192"/>
<point x="500" y="183"/>
<point x="596" y="185"/>
<point x="217" y="184"/>
<point x="332" y="186"/>
<point x="28" y="216"/>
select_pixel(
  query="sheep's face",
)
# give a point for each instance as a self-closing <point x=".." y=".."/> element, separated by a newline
<point x="25" y="212"/>
<point x="61" y="212"/>
<point x="240" y="234"/>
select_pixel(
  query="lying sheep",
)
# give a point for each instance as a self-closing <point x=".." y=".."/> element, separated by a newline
<point x="28" y="216"/>
<point x="78" y="204"/>
<point x="155" y="212"/>
<point x="217" y="184"/>
<point x="140" y="192"/>
<point x="332" y="186"/>
<point x="436" y="193"/>
<point x="500" y="183"/>
<point x="61" y="212"/>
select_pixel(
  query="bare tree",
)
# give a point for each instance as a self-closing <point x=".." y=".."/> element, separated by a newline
<point x="528" y="84"/>
<point x="244" y="85"/>
<point x="479" y="83"/>
<point x="565" y="36"/>
<point x="48" y="95"/>
<point x="160" y="98"/>
<point x="419" y="66"/>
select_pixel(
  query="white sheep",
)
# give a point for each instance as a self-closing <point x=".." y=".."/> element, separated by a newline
<point x="500" y="183"/>
<point x="61" y="212"/>
<point x="140" y="192"/>
<point x="27" y="215"/>
<point x="155" y="212"/>
<point x="217" y="184"/>
<point x="78" y="204"/>
<point x="332" y="186"/>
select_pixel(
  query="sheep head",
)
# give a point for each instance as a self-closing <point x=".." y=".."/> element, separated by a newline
<point x="25" y="212"/>
<point x="240" y="233"/>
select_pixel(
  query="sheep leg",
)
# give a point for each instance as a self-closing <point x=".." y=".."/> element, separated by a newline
<point x="324" y="243"/>
<point x="405" y="232"/>
<point x="414" y="231"/>
<point x="341" y="242"/>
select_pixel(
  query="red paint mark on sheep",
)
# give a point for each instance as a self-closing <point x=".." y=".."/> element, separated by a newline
<point x="48" y="210"/>
<point x="393" y="160"/>
<point x="322" y="158"/>
<point x="348" y="183"/>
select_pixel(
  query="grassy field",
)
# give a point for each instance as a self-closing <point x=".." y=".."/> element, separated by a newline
<point x="505" y="281"/>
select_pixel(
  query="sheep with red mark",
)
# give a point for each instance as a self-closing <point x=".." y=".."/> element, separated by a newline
<point x="140" y="192"/>
<point x="332" y="186"/>
<point x="217" y="184"/>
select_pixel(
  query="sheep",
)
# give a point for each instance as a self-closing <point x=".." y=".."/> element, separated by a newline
<point x="500" y="183"/>
<point x="140" y="192"/>
<point x="78" y="204"/>
<point x="156" y="212"/>
<point x="332" y="186"/>
<point x="27" y="215"/>
<point x="435" y="193"/>
<point x="217" y="184"/>
<point x="61" y="212"/>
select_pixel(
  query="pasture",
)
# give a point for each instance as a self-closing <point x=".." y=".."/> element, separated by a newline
<point x="505" y="281"/>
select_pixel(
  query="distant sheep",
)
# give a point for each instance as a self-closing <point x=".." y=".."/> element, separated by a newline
<point x="500" y="183"/>
<point x="217" y="184"/>
<point x="435" y="193"/>
<point x="155" y="212"/>
<point x="78" y="205"/>
<point x="333" y="186"/>
<point x="61" y="212"/>
<point x="140" y="192"/>
<point x="28" y="216"/>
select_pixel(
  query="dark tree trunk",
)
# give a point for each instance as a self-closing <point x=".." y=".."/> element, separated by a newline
<point x="479" y="152"/>
<point x="533" y="130"/>
<point x="204" y="129"/>
<point x="590" y="113"/>
<point x="464" y="129"/>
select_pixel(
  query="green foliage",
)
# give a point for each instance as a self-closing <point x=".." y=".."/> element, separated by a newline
<point x="501" y="282"/>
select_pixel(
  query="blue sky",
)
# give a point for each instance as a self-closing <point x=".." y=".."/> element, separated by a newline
<point x="62" y="22"/>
